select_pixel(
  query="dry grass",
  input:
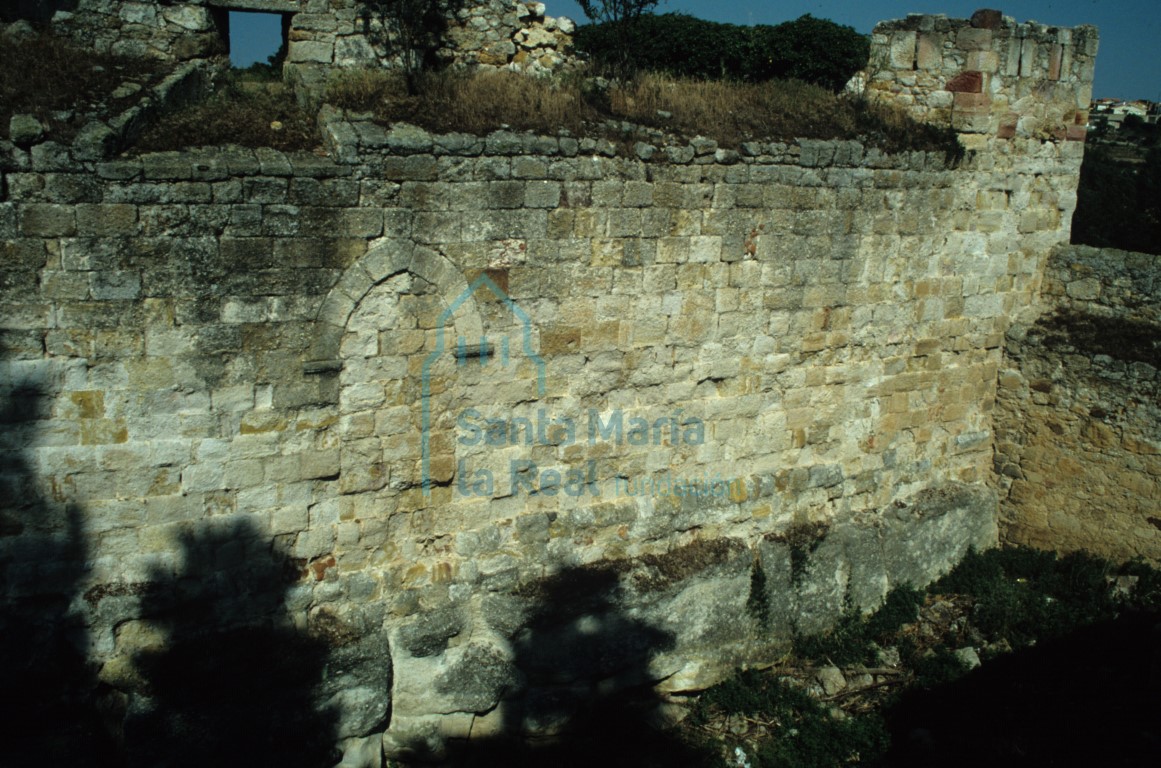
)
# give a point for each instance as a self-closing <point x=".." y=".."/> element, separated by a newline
<point x="468" y="103"/>
<point x="734" y="112"/>
<point x="728" y="112"/>
<point x="61" y="83"/>
<point x="238" y="112"/>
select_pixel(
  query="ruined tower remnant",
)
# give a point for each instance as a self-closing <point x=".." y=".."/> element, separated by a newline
<point x="332" y="33"/>
<point x="987" y="76"/>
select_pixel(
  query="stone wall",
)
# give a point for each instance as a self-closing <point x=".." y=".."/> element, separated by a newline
<point x="1079" y="424"/>
<point x="492" y="34"/>
<point x="504" y="422"/>
<point x="987" y="76"/>
<point x="239" y="339"/>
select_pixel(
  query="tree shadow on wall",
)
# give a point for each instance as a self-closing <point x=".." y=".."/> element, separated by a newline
<point x="585" y="669"/>
<point x="1088" y="698"/>
<point x="49" y="712"/>
<point x="232" y="684"/>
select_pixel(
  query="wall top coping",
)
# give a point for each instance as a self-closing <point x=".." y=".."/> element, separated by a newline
<point x="991" y="20"/>
<point x="215" y="163"/>
<point x="411" y="148"/>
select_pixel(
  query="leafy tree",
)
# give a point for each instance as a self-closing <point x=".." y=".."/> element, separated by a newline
<point x="809" y="49"/>
<point x="415" y="30"/>
<point x="620" y="19"/>
<point x="815" y="50"/>
<point x="615" y="11"/>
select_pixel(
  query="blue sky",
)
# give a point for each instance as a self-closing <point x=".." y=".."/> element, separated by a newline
<point x="1128" y="65"/>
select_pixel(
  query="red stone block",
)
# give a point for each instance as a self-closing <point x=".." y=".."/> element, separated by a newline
<point x="986" y="18"/>
<point x="966" y="82"/>
<point x="1076" y="133"/>
<point x="1006" y="131"/>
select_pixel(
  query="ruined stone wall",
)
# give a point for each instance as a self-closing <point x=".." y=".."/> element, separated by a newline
<point x="1079" y="424"/>
<point x="491" y="34"/>
<point x="987" y="76"/>
<point x="525" y="419"/>
<point x="254" y="342"/>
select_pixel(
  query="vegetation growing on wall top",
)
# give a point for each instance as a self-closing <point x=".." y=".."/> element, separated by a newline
<point x="60" y="84"/>
<point x="728" y="112"/>
<point x="812" y="50"/>
<point x="245" y="110"/>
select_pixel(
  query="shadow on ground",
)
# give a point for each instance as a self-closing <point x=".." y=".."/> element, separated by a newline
<point x="1089" y="698"/>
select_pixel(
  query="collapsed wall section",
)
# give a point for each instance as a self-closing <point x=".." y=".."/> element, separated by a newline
<point x="507" y="34"/>
<point x="1078" y="450"/>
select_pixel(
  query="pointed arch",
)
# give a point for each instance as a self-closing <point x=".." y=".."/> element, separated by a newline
<point x="385" y="259"/>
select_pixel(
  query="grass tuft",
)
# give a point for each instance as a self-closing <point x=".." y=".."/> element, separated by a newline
<point x="242" y="111"/>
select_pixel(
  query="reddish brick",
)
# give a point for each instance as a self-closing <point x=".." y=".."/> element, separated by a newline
<point x="1076" y="133"/>
<point x="966" y="82"/>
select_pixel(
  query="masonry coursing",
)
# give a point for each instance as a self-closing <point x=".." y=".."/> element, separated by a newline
<point x="493" y="34"/>
<point x="1078" y="431"/>
<point x="370" y="360"/>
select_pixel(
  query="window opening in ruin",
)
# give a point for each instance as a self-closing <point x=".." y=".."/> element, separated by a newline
<point x="257" y="38"/>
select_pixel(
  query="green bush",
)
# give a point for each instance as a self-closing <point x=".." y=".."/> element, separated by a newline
<point x="1024" y="594"/>
<point x="809" y="49"/>
<point x="854" y="638"/>
<point x="807" y="734"/>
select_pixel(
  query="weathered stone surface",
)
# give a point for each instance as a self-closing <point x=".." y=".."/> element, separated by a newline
<point x="24" y="129"/>
<point x="1077" y="444"/>
<point x="831" y="679"/>
<point x="966" y="82"/>
<point x="779" y="366"/>
<point x="988" y="55"/>
<point x="428" y="635"/>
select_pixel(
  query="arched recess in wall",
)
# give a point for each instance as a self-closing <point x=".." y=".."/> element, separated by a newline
<point x="375" y="329"/>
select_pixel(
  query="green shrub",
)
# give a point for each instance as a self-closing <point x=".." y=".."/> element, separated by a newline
<point x="1024" y="594"/>
<point x="806" y="734"/>
<point x="808" y="49"/>
<point x="814" y="50"/>
<point x="853" y="639"/>
<point x="940" y="667"/>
